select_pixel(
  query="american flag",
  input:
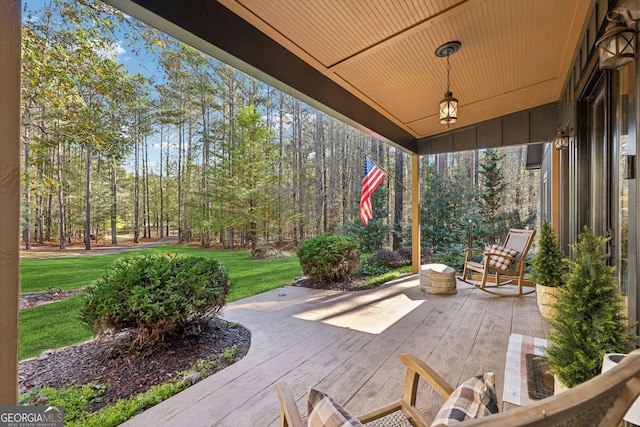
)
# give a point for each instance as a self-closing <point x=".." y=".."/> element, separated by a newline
<point x="372" y="177"/>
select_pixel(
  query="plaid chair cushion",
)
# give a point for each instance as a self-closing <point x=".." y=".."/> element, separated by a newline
<point x="501" y="263"/>
<point x="325" y="412"/>
<point x="474" y="398"/>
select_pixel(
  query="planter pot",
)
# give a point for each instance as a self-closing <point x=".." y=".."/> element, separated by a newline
<point x="546" y="295"/>
<point x="558" y="386"/>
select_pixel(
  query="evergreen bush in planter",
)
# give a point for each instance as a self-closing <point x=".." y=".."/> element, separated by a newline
<point x="589" y="320"/>
<point x="548" y="269"/>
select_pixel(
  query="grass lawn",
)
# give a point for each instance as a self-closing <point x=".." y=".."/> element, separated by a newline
<point x="51" y="326"/>
<point x="57" y="325"/>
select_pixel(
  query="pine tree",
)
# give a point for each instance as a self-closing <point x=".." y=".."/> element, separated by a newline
<point x="492" y="190"/>
<point x="589" y="320"/>
<point x="549" y="265"/>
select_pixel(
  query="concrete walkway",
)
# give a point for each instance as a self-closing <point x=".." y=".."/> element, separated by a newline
<point x="347" y="344"/>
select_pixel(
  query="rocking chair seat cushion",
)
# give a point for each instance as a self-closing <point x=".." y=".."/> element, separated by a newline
<point x="474" y="398"/>
<point x="500" y="262"/>
<point x="325" y="412"/>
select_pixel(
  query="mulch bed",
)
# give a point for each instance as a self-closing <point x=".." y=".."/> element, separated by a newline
<point x="111" y="362"/>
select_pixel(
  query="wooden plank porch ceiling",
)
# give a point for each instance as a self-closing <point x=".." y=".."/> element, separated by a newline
<point x="347" y="344"/>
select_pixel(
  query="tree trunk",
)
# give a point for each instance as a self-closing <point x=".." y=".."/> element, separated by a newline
<point x="180" y="148"/>
<point x="161" y="190"/>
<point x="398" y="200"/>
<point x="40" y="202"/>
<point x="344" y="179"/>
<point x="145" y="183"/>
<point x="319" y="148"/>
<point x="442" y="164"/>
<point x="298" y="171"/>
<point x="63" y="237"/>
<point x="136" y="191"/>
<point x="87" y="217"/>
<point x="26" y="232"/>
<point x="280" y="164"/>
<point x="114" y="201"/>
<point x="49" y="216"/>
<point x="294" y="164"/>
<point x="166" y="172"/>
<point x="206" y="205"/>
<point x="476" y="164"/>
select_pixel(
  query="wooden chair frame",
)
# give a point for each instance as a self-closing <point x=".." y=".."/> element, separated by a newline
<point x="416" y="369"/>
<point x="492" y="278"/>
<point x="602" y="401"/>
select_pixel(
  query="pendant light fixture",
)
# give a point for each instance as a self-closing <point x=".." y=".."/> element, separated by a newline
<point x="448" y="105"/>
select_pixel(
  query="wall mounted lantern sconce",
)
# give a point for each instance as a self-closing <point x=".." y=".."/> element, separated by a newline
<point x="449" y="105"/>
<point x="617" y="44"/>
<point x="561" y="140"/>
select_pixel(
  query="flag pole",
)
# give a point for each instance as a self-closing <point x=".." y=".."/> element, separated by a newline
<point x="385" y="171"/>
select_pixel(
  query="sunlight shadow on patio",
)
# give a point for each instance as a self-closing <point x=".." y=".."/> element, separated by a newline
<point x="369" y="314"/>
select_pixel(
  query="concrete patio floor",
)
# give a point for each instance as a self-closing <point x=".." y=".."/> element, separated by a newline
<point x="347" y="344"/>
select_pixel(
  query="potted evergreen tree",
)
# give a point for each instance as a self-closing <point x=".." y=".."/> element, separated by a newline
<point x="589" y="321"/>
<point x="548" y="270"/>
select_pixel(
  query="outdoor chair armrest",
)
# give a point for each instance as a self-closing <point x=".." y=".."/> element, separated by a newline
<point x="289" y="413"/>
<point x="416" y="368"/>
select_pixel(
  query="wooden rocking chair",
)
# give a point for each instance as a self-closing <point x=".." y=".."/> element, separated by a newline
<point x="603" y="401"/>
<point x="501" y="265"/>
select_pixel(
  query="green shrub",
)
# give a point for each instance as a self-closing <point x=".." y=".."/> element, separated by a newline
<point x="155" y="295"/>
<point x="329" y="257"/>
<point x="387" y="258"/>
<point x="366" y="269"/>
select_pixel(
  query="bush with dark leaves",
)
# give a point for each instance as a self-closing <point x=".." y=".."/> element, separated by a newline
<point x="388" y="258"/>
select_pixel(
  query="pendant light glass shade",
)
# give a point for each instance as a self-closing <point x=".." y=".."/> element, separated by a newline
<point x="448" y="109"/>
